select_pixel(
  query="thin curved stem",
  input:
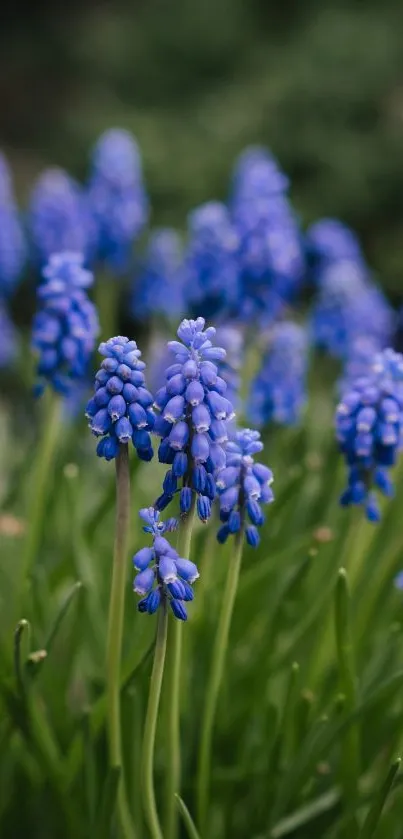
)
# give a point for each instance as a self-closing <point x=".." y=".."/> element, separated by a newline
<point x="39" y="490"/>
<point x="115" y="631"/>
<point x="173" y="777"/>
<point x="150" y="808"/>
<point x="215" y="679"/>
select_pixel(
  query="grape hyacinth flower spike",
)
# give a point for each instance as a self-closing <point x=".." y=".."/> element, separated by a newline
<point x="120" y="413"/>
<point x="120" y="410"/>
<point x="243" y="486"/>
<point x="116" y="196"/>
<point x="192" y="424"/>
<point x="194" y="411"/>
<point x="369" y="431"/>
<point x="66" y="326"/>
<point x="163" y="576"/>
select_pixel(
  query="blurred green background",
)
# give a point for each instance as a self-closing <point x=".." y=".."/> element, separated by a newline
<point x="321" y="83"/>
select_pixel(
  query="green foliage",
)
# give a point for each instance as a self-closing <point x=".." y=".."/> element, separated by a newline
<point x="295" y="704"/>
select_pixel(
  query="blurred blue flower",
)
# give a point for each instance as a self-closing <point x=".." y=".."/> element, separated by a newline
<point x="159" y="288"/>
<point x="329" y="240"/>
<point x="243" y="486"/>
<point x="256" y="175"/>
<point x="399" y="581"/>
<point x="66" y="326"/>
<point x="117" y="197"/>
<point x="231" y="337"/>
<point x="192" y="423"/>
<point x="278" y="392"/>
<point x="8" y="338"/>
<point x="163" y="576"/>
<point x="271" y="251"/>
<point x="59" y="218"/>
<point x="211" y="267"/>
<point x="120" y="410"/>
<point x="12" y="243"/>
<point x="369" y="430"/>
<point x="158" y="358"/>
<point x="349" y="305"/>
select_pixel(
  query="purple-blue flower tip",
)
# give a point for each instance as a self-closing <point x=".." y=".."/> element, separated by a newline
<point x="120" y="410"/>
<point x="116" y="197"/>
<point x="369" y="431"/>
<point x="66" y="326"/>
<point x="243" y="486"/>
<point x="194" y="410"/>
<point x="59" y="218"/>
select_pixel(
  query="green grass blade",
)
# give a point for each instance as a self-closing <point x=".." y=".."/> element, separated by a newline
<point x="187" y="818"/>
<point x="350" y="748"/>
<point x="103" y="828"/>
<point x="372" y="820"/>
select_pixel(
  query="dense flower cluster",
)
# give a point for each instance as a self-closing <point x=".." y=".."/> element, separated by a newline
<point x="117" y="197"/>
<point x="243" y="486"/>
<point x="8" y="338"/>
<point x="159" y="288"/>
<point x="120" y="409"/>
<point x="369" y="428"/>
<point x="59" y="218"/>
<point x="278" y="393"/>
<point x="163" y="576"/>
<point x="12" y="245"/>
<point x="66" y="326"/>
<point x="192" y="422"/>
<point x="211" y="266"/>
<point x="271" y="255"/>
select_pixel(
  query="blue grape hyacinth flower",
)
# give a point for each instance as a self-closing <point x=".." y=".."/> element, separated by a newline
<point x="163" y="576"/>
<point x="59" y="218"/>
<point x="192" y="424"/>
<point x="271" y="253"/>
<point x="120" y="410"/>
<point x="257" y="174"/>
<point x="243" y="486"/>
<point x="278" y="392"/>
<point x="211" y="265"/>
<point x="369" y="431"/>
<point x="66" y="325"/>
<point x="117" y="197"/>
<point x="8" y="338"/>
<point x="12" y="243"/>
<point x="159" y="288"/>
<point x="329" y="240"/>
<point x="349" y="305"/>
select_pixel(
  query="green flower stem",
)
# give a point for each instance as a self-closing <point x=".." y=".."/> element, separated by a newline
<point x="215" y="679"/>
<point x="150" y="808"/>
<point x="115" y="631"/>
<point x="350" y="747"/>
<point x="173" y="776"/>
<point x="39" y="489"/>
<point x="206" y="566"/>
